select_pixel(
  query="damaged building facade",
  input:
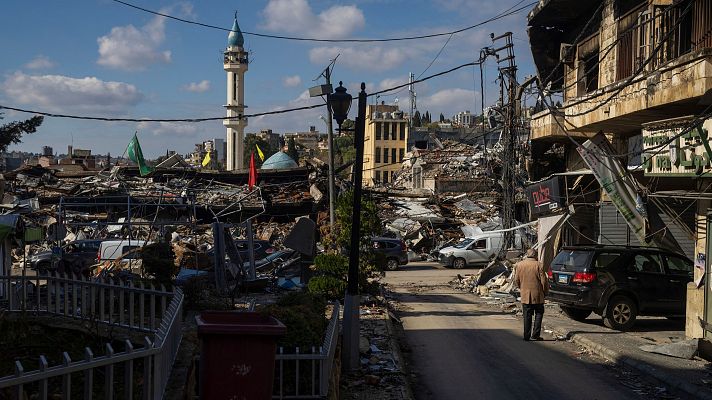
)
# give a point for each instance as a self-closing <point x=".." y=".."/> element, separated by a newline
<point x="637" y="73"/>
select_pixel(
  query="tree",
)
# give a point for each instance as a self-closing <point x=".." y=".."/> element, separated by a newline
<point x="347" y="125"/>
<point x="292" y="150"/>
<point x="442" y="117"/>
<point x="252" y="140"/>
<point x="12" y="132"/>
<point x="416" y="119"/>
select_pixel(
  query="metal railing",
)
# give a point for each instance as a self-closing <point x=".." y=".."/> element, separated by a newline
<point x="307" y="375"/>
<point x="138" y="308"/>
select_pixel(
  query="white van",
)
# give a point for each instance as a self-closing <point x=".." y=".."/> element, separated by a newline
<point x="475" y="250"/>
<point x="124" y="250"/>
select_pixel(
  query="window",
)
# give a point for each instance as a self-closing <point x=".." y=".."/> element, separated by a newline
<point x="647" y="263"/>
<point x="131" y="252"/>
<point x="385" y="130"/>
<point x="678" y="266"/>
<point x="393" y="155"/>
<point x="605" y="259"/>
<point x="588" y="64"/>
<point x="378" y="130"/>
<point x="401" y="155"/>
<point x="378" y="177"/>
<point x="385" y="155"/>
<point x="234" y="86"/>
<point x="385" y="177"/>
<point x="402" y="131"/>
<point x="480" y="244"/>
<point x="394" y="130"/>
<point x="393" y="176"/>
<point x="378" y="155"/>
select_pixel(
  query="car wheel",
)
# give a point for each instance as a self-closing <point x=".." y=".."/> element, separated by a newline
<point x="459" y="263"/>
<point x="620" y="313"/>
<point x="392" y="264"/>
<point x="576" y="314"/>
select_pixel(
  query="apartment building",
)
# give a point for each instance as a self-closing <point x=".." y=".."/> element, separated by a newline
<point x="639" y="72"/>
<point x="385" y="143"/>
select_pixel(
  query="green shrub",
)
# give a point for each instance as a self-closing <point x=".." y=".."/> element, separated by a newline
<point x="304" y="314"/>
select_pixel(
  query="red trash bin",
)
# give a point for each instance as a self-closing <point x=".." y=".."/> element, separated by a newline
<point x="237" y="351"/>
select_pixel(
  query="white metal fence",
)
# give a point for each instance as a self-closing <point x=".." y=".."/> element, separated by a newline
<point x="143" y="308"/>
<point x="306" y="375"/>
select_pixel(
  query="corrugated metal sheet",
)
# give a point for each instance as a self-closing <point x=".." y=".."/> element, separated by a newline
<point x="611" y="226"/>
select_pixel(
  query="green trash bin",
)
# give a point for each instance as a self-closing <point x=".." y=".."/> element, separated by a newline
<point x="237" y="351"/>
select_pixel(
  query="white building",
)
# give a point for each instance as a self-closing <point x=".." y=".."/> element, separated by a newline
<point x="464" y="118"/>
<point x="235" y="64"/>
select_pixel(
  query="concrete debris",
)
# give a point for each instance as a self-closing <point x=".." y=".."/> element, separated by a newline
<point x="686" y="349"/>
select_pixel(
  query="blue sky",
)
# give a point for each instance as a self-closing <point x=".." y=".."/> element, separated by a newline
<point x="101" y="58"/>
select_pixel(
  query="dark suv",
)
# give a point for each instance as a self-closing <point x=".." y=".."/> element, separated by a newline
<point x="619" y="283"/>
<point x="390" y="253"/>
<point x="77" y="257"/>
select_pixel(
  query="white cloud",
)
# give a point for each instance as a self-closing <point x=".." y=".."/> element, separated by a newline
<point x="292" y="81"/>
<point x="132" y="49"/>
<point x="449" y="102"/>
<point x="197" y="87"/>
<point x="363" y="58"/>
<point x="40" y="62"/>
<point x="297" y="17"/>
<point x="171" y="129"/>
<point x="57" y="93"/>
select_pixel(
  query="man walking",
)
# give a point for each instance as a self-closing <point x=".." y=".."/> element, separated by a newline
<point x="533" y="286"/>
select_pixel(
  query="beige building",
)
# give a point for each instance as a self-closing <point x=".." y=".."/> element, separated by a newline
<point x="385" y="143"/>
<point x="637" y="74"/>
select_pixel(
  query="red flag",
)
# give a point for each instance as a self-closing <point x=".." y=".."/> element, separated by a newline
<point x="252" y="179"/>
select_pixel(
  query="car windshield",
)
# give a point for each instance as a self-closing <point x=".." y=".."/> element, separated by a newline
<point x="572" y="260"/>
<point x="463" y="244"/>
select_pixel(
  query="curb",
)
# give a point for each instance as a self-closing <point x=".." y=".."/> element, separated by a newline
<point x="395" y="348"/>
<point x="643" y="367"/>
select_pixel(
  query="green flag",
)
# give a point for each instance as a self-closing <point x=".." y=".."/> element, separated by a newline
<point x="136" y="155"/>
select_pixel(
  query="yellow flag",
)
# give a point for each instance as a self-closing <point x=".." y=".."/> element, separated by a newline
<point x="206" y="160"/>
<point x="260" y="153"/>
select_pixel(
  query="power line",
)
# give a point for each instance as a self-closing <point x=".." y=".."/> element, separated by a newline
<point x="193" y="120"/>
<point x="308" y="39"/>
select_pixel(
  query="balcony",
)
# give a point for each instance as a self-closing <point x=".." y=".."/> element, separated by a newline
<point x="547" y="126"/>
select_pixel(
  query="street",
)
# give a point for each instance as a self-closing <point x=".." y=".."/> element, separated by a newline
<point x="457" y="347"/>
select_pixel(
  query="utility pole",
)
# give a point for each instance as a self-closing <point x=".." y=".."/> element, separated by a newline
<point x="413" y="105"/>
<point x="332" y="192"/>
<point x="351" y="300"/>
<point x="509" y="71"/>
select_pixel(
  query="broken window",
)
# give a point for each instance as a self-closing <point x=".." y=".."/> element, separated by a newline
<point x="378" y="177"/>
<point x="385" y="177"/>
<point x="401" y="155"/>
<point x="393" y="155"/>
<point x="378" y="131"/>
<point x="385" y="155"/>
<point x="588" y="64"/>
<point x="394" y="130"/>
<point x="378" y="155"/>
<point x="402" y="131"/>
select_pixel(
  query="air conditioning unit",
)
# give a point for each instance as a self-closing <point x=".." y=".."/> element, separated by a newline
<point x="566" y="53"/>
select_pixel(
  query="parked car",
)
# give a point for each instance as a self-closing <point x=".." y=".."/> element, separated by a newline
<point x="476" y="250"/>
<point x="391" y="252"/>
<point x="76" y="257"/>
<point x="619" y="283"/>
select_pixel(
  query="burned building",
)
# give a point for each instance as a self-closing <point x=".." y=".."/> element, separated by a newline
<point x="634" y="75"/>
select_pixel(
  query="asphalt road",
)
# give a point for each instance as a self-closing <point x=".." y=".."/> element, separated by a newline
<point x="457" y="347"/>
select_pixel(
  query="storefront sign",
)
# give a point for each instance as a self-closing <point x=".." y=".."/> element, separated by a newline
<point x="597" y="154"/>
<point x="667" y="152"/>
<point x="544" y="197"/>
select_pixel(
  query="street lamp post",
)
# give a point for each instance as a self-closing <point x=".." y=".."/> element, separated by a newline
<point x="340" y="102"/>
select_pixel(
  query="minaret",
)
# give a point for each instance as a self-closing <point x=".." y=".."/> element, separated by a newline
<point x="235" y="64"/>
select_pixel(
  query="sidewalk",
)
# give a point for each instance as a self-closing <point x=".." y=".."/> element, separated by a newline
<point x="693" y="377"/>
